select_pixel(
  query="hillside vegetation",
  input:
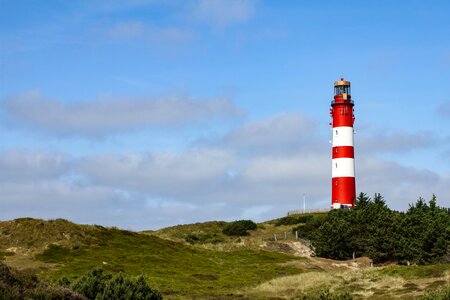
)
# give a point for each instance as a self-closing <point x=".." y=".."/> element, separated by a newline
<point x="173" y="268"/>
<point x="201" y="261"/>
<point x="22" y="285"/>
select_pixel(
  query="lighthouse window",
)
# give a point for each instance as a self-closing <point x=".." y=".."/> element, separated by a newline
<point x="341" y="89"/>
<point x="335" y="150"/>
<point x="335" y="182"/>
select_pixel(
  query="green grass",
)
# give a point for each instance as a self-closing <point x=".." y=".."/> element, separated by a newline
<point x="417" y="272"/>
<point x="198" y="233"/>
<point x="211" y="232"/>
<point x="62" y="248"/>
<point x="214" y="267"/>
<point x="173" y="268"/>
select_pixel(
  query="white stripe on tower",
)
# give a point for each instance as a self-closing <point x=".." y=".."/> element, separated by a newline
<point x="343" y="167"/>
<point x="342" y="136"/>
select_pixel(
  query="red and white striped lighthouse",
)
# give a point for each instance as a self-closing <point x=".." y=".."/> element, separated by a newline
<point x="343" y="191"/>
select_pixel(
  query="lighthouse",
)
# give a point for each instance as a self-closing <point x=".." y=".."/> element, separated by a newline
<point x="343" y="190"/>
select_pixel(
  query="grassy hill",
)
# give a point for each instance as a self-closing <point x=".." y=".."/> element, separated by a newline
<point x="208" y="235"/>
<point x="197" y="261"/>
<point x="60" y="248"/>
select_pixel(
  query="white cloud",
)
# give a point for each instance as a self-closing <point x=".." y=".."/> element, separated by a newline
<point x="400" y="185"/>
<point x="55" y="198"/>
<point x="155" y="189"/>
<point x="165" y="174"/>
<point x="401" y="142"/>
<point x="302" y="169"/>
<point x="109" y="116"/>
<point x="18" y="165"/>
<point x="282" y="132"/>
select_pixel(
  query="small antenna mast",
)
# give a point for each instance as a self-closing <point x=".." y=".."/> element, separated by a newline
<point x="304" y="202"/>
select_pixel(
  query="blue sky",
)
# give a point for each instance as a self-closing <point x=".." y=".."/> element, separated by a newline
<point x="147" y="113"/>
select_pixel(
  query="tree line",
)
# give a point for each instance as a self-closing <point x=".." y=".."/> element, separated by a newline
<point x="419" y="235"/>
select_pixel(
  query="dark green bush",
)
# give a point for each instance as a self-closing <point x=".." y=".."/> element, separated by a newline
<point x="239" y="228"/>
<point x="92" y="284"/>
<point x="191" y="238"/>
<point x="202" y="238"/>
<point x="97" y="285"/>
<point x="120" y="287"/>
<point x="310" y="226"/>
<point x="293" y="219"/>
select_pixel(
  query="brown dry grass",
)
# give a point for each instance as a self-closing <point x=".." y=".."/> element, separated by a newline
<point x="355" y="277"/>
<point x="295" y="285"/>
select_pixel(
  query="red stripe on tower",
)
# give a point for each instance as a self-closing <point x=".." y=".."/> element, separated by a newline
<point x="343" y="191"/>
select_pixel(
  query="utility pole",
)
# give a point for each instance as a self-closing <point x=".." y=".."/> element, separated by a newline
<point x="304" y="203"/>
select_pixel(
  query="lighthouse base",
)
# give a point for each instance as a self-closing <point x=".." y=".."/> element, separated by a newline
<point x="343" y="194"/>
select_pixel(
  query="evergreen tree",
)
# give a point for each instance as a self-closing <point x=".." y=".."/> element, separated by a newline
<point x="362" y="200"/>
<point x="379" y="235"/>
<point x="425" y="231"/>
<point x="335" y="237"/>
<point x="420" y="235"/>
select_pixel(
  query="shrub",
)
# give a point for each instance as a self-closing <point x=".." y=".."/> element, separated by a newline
<point x="92" y="284"/>
<point x="311" y="225"/>
<point x="16" y="285"/>
<point x="239" y="228"/>
<point x="292" y="220"/>
<point x="97" y="285"/>
<point x="191" y="238"/>
<point x="120" y="287"/>
<point x="202" y="238"/>
<point x="63" y="281"/>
